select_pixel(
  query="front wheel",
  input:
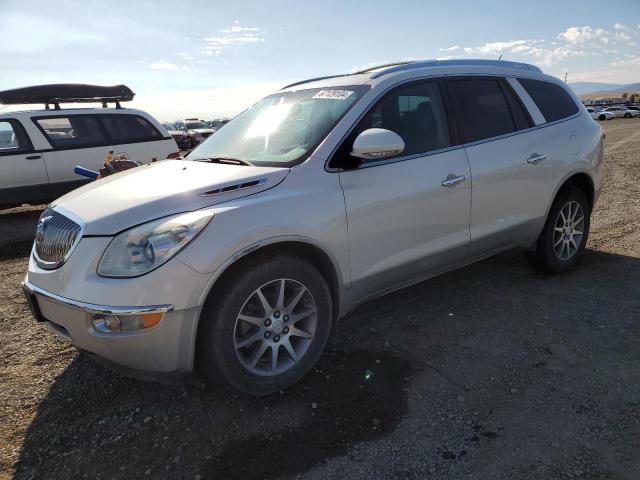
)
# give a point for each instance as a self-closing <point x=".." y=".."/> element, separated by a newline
<point x="627" y="115"/>
<point x="267" y="325"/>
<point x="602" y="117"/>
<point x="565" y="233"/>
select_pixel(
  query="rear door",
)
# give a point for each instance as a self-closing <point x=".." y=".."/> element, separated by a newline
<point x="23" y="176"/>
<point x="408" y="215"/>
<point x="510" y="163"/>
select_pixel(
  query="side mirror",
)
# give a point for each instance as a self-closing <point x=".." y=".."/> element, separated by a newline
<point x="377" y="143"/>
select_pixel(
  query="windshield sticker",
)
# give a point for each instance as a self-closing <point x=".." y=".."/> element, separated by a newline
<point x="333" y="94"/>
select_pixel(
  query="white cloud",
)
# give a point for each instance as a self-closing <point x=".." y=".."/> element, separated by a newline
<point x="575" y="35"/>
<point x="450" y="49"/>
<point x="234" y="36"/>
<point x="620" y="26"/>
<point x="163" y="65"/>
<point x="629" y="62"/>
<point x="623" y="37"/>
<point x="496" y="48"/>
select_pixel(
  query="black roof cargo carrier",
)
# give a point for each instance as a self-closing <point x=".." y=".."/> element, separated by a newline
<point x="58" y="93"/>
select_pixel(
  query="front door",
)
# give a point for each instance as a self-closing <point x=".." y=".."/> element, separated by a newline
<point x="408" y="216"/>
<point x="23" y="176"/>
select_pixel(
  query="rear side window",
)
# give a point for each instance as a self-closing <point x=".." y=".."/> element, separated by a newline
<point x="74" y="131"/>
<point x="481" y="108"/>
<point x="129" y="129"/>
<point x="552" y="100"/>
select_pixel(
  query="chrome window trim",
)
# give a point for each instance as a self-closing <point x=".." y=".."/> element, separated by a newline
<point x="434" y="152"/>
<point x="53" y="265"/>
<point x="95" y="308"/>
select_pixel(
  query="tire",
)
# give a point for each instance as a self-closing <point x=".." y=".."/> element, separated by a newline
<point x="223" y="358"/>
<point x="547" y="256"/>
<point x="602" y="117"/>
<point x="627" y="115"/>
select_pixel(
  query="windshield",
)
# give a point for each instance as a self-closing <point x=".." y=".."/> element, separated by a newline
<point x="194" y="125"/>
<point x="282" y="128"/>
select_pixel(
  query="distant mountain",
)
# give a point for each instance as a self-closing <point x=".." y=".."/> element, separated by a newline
<point x="581" y="88"/>
<point x="584" y="88"/>
<point x="632" y="87"/>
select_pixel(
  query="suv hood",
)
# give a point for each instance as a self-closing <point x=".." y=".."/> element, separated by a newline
<point x="117" y="202"/>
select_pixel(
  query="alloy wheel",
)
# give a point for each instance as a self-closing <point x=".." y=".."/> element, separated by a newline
<point x="275" y="327"/>
<point x="568" y="231"/>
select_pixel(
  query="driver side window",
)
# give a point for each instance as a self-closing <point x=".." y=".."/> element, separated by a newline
<point x="415" y="112"/>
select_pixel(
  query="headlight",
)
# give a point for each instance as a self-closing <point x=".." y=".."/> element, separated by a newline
<point x="144" y="248"/>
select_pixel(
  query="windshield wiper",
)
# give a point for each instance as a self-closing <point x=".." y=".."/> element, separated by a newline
<point x="229" y="161"/>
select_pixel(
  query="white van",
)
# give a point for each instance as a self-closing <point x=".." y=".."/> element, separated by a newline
<point x="40" y="148"/>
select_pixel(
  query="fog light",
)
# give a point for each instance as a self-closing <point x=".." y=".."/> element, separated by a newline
<point x="125" y="323"/>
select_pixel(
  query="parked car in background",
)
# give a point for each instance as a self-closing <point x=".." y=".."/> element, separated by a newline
<point x="598" y="114"/>
<point x="622" y="112"/>
<point x="181" y="137"/>
<point x="633" y="108"/>
<point x="198" y="126"/>
<point x="319" y="197"/>
<point x="40" y="148"/>
<point x="218" y="122"/>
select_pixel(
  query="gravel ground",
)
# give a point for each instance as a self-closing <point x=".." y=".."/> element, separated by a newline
<point x="492" y="371"/>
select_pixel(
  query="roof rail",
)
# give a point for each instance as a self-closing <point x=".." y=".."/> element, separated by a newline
<point x="313" y="80"/>
<point x="385" y="65"/>
<point x="452" y="63"/>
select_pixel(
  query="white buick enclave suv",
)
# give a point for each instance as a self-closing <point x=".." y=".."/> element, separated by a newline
<point x="241" y="258"/>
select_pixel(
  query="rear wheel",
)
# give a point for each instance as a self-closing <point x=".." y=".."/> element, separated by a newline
<point x="602" y="117"/>
<point x="565" y="233"/>
<point x="265" y="328"/>
<point x="627" y="115"/>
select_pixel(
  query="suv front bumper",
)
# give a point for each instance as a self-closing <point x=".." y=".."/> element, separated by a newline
<point x="163" y="352"/>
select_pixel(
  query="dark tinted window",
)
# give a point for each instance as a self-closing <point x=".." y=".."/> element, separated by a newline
<point x="520" y="115"/>
<point x="481" y="108"/>
<point x="74" y="131"/>
<point x="552" y="100"/>
<point x="129" y="129"/>
<point x="416" y="113"/>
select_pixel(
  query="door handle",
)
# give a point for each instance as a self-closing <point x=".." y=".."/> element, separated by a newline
<point x="536" y="158"/>
<point x="452" y="180"/>
<point x="33" y="157"/>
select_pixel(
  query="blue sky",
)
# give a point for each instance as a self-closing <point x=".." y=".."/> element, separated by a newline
<point x="211" y="59"/>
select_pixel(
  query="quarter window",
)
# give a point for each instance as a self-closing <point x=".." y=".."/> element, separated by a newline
<point x="129" y="129"/>
<point x="553" y="101"/>
<point x="482" y="108"/>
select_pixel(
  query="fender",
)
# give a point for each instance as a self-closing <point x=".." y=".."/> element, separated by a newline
<point x="250" y="248"/>
<point x="566" y="177"/>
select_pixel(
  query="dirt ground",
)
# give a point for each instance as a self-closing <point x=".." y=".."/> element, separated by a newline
<point x="493" y="371"/>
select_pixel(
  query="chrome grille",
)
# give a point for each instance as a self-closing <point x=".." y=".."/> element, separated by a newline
<point x="56" y="235"/>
